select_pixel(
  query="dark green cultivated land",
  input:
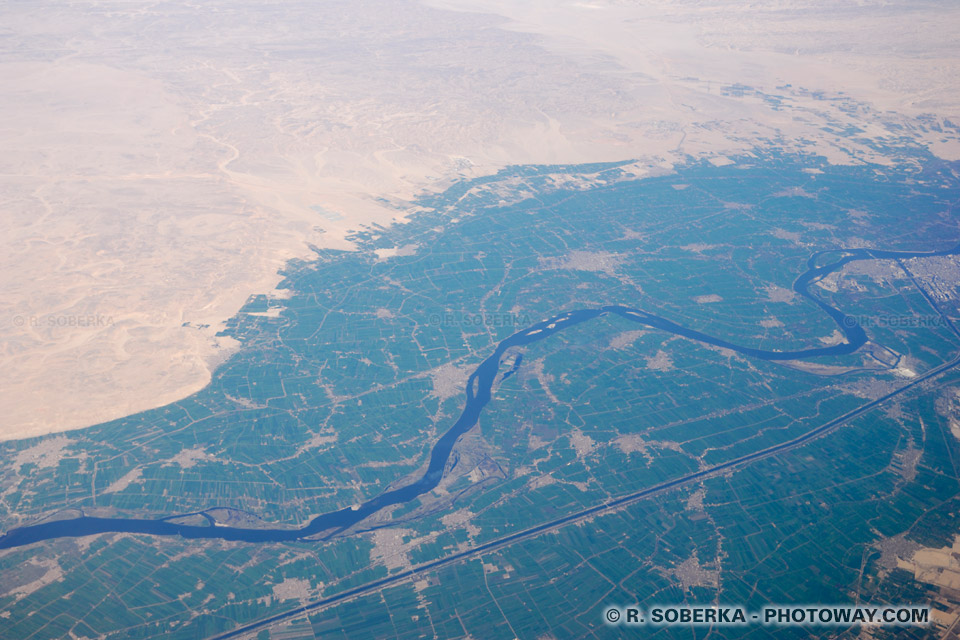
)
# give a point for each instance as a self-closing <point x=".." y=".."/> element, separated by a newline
<point x="342" y="396"/>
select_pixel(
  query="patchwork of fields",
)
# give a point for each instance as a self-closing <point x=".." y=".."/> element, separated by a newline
<point x="342" y="387"/>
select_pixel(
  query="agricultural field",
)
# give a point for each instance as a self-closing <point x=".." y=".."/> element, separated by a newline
<point x="346" y="381"/>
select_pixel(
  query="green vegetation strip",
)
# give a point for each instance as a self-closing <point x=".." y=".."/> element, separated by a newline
<point x="600" y="509"/>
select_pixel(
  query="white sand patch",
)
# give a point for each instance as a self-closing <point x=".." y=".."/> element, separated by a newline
<point x="131" y="477"/>
<point x="281" y="294"/>
<point x="660" y="362"/>
<point x="695" y="501"/>
<point x="626" y="338"/>
<point x="793" y="192"/>
<point x="635" y="443"/>
<point x="537" y="443"/>
<point x="294" y="589"/>
<point x="721" y="161"/>
<point x="582" y="443"/>
<point x="698" y="247"/>
<point x="770" y="323"/>
<point x="783" y="234"/>
<point x="940" y="567"/>
<point x="689" y="574"/>
<point x="271" y="312"/>
<point x="45" y="454"/>
<point x="725" y="352"/>
<point x="819" y="226"/>
<point x="836" y="337"/>
<point x="189" y="457"/>
<point x="776" y="293"/>
<point x="461" y="518"/>
<point x="393" y="252"/>
<point x="829" y="282"/>
<point x="449" y="380"/>
<point x="476" y="475"/>
<point x="545" y="380"/>
<point x="631" y="443"/>
<point x="707" y="299"/>
<point x="318" y="441"/>
<point x="599" y="261"/>
<point x="390" y="549"/>
<point x="542" y="481"/>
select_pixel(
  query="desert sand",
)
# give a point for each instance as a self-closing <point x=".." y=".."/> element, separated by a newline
<point x="163" y="162"/>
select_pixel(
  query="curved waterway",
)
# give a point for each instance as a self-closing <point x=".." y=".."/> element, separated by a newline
<point x="478" y="394"/>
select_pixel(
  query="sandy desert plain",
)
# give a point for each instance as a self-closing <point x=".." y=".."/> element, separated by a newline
<point x="162" y="161"/>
